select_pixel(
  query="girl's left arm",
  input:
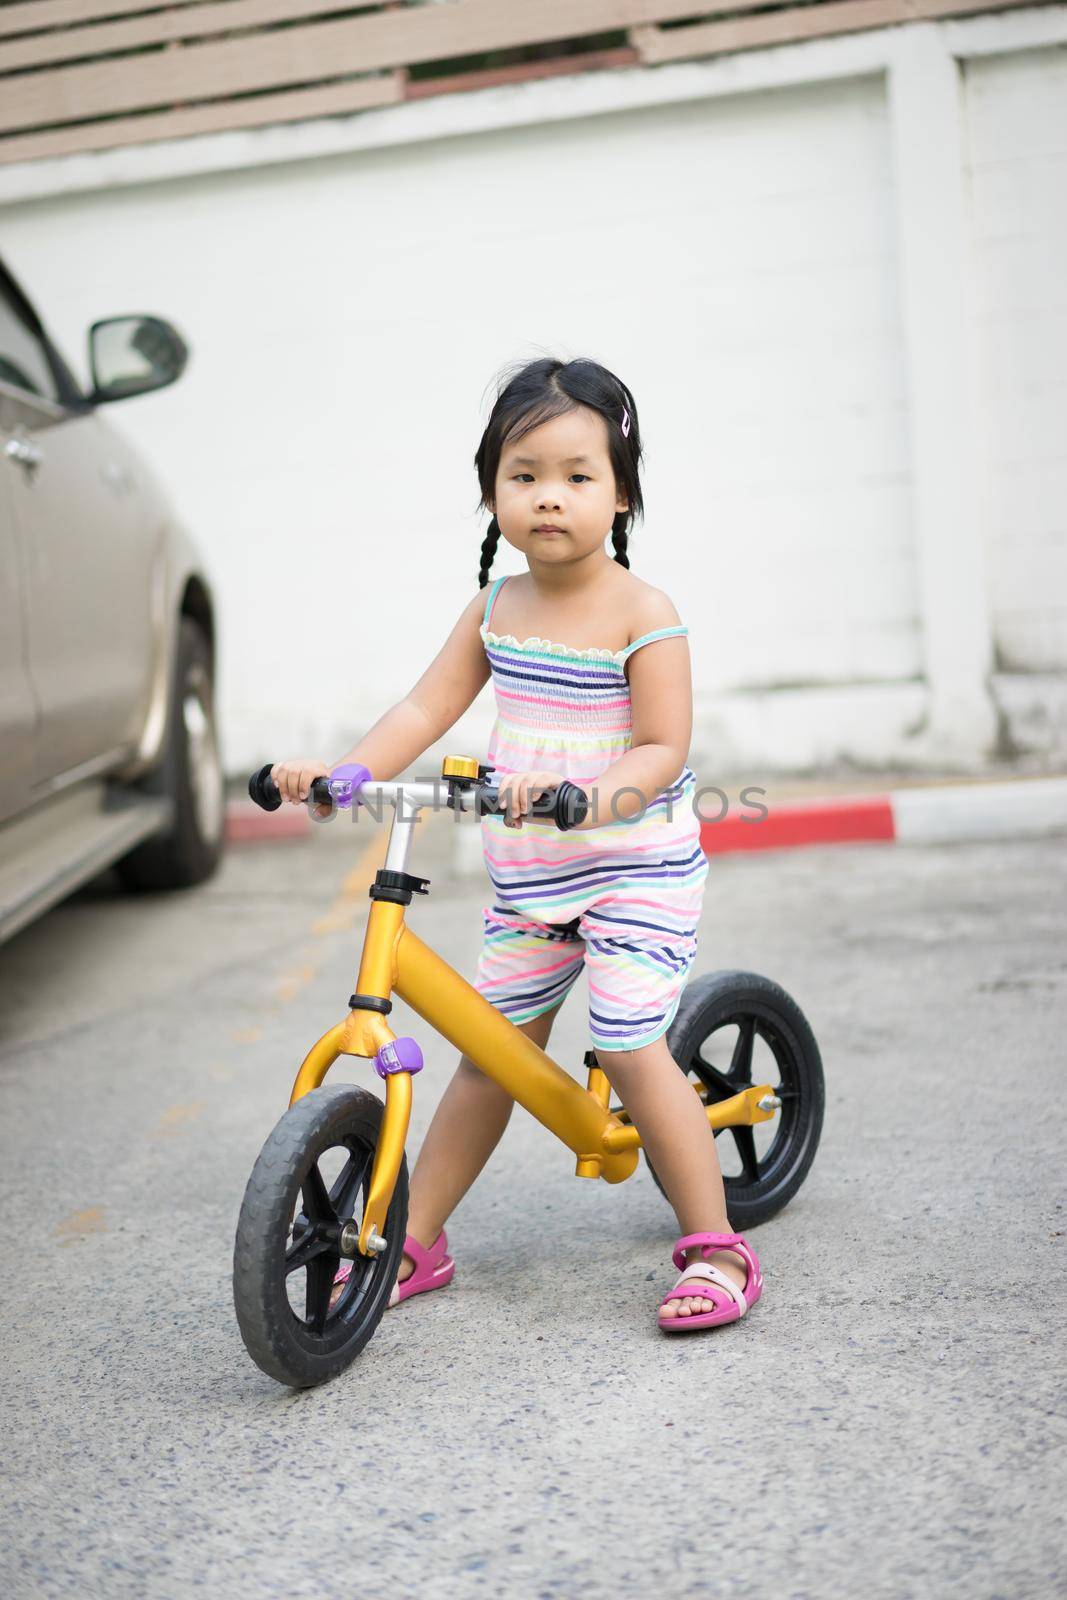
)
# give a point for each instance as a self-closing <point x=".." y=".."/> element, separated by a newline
<point x="661" y="695"/>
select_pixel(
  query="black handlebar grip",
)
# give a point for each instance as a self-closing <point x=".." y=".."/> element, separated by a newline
<point x="566" y="805"/>
<point x="572" y="805"/>
<point x="264" y="791"/>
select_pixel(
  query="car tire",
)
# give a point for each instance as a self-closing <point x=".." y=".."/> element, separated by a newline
<point x="190" y="774"/>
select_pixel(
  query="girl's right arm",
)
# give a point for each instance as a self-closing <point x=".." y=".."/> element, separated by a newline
<point x="448" y="686"/>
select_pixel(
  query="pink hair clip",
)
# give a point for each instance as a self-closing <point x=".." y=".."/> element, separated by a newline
<point x="625" y="422"/>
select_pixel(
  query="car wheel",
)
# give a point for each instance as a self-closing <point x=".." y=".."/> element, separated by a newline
<point x="190" y="775"/>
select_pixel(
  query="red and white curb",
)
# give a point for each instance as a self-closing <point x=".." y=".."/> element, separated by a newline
<point x="926" y="814"/>
<point x="247" y="823"/>
<point x="929" y="814"/>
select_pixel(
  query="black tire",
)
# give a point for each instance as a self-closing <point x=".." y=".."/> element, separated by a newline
<point x="190" y="774"/>
<point x="286" y="1187"/>
<point x="773" y="1157"/>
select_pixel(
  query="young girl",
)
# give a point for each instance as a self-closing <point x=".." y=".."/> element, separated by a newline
<point x="590" y="667"/>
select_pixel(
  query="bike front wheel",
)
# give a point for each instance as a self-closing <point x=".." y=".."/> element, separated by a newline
<point x="311" y="1180"/>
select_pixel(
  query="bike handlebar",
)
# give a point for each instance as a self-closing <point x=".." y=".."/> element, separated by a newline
<point x="565" y="804"/>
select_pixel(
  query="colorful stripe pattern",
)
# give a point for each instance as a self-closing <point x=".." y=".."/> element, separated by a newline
<point x="623" y="899"/>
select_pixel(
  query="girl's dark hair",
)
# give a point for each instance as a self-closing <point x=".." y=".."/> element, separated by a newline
<point x="545" y="389"/>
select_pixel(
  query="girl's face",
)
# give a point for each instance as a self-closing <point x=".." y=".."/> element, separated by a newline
<point x="556" y="495"/>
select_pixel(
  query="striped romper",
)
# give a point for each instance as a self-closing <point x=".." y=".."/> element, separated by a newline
<point x="624" y="897"/>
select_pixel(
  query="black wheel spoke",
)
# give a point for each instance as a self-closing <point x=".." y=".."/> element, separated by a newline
<point x="316" y="1200"/>
<point x="741" y="1064"/>
<point x="745" y="1140"/>
<point x="322" y="1269"/>
<point x="343" y="1194"/>
<point x="717" y="1083"/>
<point x="309" y="1245"/>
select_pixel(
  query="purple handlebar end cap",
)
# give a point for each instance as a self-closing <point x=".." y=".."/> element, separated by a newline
<point x="344" y="783"/>
<point x="398" y="1055"/>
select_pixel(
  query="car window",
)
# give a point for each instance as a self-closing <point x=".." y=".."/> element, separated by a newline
<point x="23" y="358"/>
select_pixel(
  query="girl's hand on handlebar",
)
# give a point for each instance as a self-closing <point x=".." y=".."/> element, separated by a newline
<point x="294" y="780"/>
<point x="518" y="789"/>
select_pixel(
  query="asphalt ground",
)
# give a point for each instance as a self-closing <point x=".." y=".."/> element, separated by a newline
<point x="889" y="1421"/>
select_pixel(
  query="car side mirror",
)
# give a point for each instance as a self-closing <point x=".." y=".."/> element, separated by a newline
<point x="133" y="355"/>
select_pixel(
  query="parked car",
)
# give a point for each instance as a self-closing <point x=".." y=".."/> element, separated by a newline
<point x="108" y="743"/>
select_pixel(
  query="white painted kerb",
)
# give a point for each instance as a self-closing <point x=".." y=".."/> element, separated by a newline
<point x="980" y="811"/>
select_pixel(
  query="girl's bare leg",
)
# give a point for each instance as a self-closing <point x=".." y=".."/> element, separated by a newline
<point x="465" y="1130"/>
<point x="677" y="1135"/>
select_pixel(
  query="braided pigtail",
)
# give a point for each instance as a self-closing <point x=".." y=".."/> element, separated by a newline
<point x="620" y="538"/>
<point x="489" y="544"/>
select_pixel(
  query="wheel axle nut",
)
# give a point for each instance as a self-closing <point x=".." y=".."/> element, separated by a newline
<point x="770" y="1102"/>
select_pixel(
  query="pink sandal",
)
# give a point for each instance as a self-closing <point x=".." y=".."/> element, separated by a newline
<point x="433" y="1269"/>
<point x="731" y="1303"/>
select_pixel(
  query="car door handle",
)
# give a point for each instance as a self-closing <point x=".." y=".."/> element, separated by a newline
<point x="24" y="452"/>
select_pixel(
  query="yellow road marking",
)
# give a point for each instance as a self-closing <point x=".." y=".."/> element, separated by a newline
<point x="290" y="985"/>
<point x="342" y="913"/>
<point x="247" y="1035"/>
<point x="174" y="1118"/>
<point x="81" y="1223"/>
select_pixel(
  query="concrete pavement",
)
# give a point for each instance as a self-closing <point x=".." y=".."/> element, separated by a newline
<point x="889" y="1421"/>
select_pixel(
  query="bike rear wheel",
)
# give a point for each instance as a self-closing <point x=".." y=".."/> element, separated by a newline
<point x="733" y="1030"/>
<point x="310" y="1180"/>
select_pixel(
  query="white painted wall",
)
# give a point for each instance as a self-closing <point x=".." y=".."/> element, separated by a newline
<point x="1017" y="127"/>
<point x="734" y="241"/>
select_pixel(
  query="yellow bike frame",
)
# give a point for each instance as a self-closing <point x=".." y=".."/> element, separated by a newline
<point x="396" y="960"/>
